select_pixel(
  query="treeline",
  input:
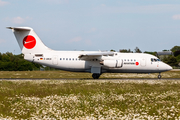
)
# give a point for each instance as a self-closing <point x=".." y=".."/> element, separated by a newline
<point x="173" y="60"/>
<point x="10" y="62"/>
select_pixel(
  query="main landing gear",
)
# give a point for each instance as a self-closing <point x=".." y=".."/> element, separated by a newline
<point x="159" y="76"/>
<point x="96" y="75"/>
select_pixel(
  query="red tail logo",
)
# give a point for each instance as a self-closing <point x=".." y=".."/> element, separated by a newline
<point x="29" y="42"/>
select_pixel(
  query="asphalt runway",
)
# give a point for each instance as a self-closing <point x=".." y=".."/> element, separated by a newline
<point x="90" y="79"/>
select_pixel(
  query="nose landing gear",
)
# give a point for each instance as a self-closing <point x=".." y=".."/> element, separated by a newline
<point x="159" y="76"/>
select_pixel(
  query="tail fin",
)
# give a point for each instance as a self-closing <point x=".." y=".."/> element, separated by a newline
<point x="28" y="40"/>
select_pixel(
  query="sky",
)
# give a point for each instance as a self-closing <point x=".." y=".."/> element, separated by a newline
<point x="150" y="25"/>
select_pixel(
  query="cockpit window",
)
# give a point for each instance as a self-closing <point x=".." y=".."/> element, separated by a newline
<point x="155" y="60"/>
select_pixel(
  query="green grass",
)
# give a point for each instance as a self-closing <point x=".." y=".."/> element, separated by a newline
<point x="90" y="99"/>
<point x="65" y="74"/>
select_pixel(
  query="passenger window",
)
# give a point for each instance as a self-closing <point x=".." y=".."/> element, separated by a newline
<point x="66" y="58"/>
<point x="60" y="58"/>
<point x="69" y="58"/>
<point x="63" y="58"/>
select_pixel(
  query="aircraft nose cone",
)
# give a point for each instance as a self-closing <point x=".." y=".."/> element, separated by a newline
<point x="169" y="67"/>
<point x="165" y="67"/>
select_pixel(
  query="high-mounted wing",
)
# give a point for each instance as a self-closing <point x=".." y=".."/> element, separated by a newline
<point x="90" y="56"/>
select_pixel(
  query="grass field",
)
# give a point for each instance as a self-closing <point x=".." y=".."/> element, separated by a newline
<point x="90" y="99"/>
<point x="64" y="74"/>
<point x="85" y="98"/>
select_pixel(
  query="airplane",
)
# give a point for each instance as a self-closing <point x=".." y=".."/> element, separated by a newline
<point x="95" y="62"/>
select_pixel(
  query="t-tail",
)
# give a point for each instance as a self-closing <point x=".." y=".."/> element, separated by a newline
<point x="29" y="42"/>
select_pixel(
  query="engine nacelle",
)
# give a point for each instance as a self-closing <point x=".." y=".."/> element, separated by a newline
<point x="112" y="63"/>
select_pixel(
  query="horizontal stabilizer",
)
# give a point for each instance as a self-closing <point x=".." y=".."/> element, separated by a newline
<point x="20" y="28"/>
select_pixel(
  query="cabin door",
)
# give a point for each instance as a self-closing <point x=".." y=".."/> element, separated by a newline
<point x="143" y="62"/>
<point x="55" y="60"/>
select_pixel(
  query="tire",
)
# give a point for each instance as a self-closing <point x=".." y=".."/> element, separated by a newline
<point x="96" y="76"/>
<point x="159" y="76"/>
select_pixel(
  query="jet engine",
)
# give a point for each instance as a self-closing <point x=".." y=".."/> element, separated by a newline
<point x="112" y="63"/>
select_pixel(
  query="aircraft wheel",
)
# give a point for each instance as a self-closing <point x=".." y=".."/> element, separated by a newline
<point x="96" y="76"/>
<point x="159" y="76"/>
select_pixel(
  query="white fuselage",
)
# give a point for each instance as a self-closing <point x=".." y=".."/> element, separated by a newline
<point x="96" y="62"/>
<point x="130" y="62"/>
